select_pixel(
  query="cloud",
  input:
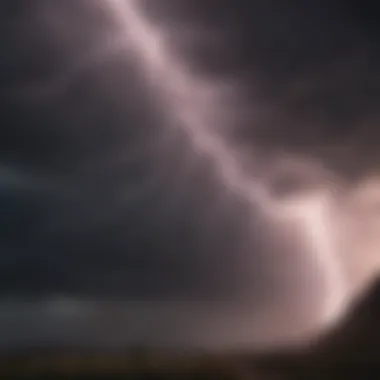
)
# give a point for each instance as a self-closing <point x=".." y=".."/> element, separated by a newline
<point x="138" y="191"/>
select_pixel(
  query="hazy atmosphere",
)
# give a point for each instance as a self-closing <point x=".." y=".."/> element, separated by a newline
<point x="193" y="174"/>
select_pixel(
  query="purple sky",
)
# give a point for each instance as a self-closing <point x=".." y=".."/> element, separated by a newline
<point x="194" y="174"/>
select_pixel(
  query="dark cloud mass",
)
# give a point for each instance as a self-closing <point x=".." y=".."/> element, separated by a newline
<point x="116" y="227"/>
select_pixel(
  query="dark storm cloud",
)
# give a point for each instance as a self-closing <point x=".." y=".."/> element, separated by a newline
<point x="103" y="197"/>
<point x="91" y="134"/>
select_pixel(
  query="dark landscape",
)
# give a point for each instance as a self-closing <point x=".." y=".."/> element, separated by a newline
<point x="352" y="352"/>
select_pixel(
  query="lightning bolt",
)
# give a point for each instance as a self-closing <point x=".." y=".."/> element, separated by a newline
<point x="196" y="104"/>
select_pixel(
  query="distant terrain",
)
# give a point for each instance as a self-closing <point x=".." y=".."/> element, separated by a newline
<point x="352" y="352"/>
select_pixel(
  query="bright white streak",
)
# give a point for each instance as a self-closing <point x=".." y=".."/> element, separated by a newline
<point x="192" y="100"/>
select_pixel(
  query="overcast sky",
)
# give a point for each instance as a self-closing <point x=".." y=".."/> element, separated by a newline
<point x="141" y="148"/>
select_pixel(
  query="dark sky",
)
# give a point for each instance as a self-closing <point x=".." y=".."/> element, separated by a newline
<point x="115" y="227"/>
